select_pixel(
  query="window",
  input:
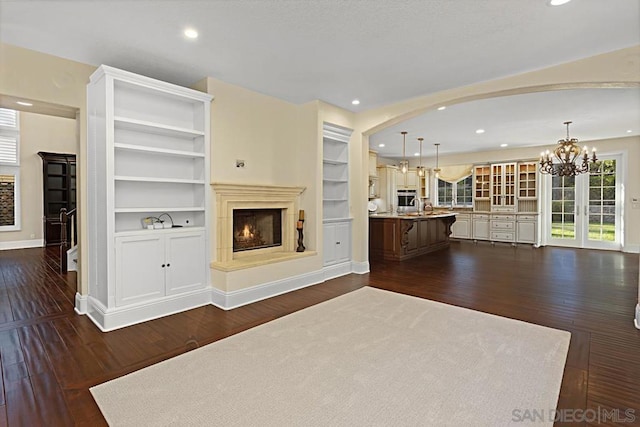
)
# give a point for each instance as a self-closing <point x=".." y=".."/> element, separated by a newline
<point x="9" y="170"/>
<point x="458" y="194"/>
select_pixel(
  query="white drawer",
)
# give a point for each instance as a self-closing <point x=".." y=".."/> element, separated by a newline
<point x="504" y="217"/>
<point x="480" y="216"/>
<point x="463" y="216"/>
<point x="527" y="217"/>
<point x="502" y="236"/>
<point x="502" y="225"/>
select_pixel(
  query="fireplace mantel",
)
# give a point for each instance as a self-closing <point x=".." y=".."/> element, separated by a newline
<point x="249" y="196"/>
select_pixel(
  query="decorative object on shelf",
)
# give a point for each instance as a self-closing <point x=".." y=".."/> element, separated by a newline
<point x="404" y="163"/>
<point x="299" y="227"/>
<point x="437" y="169"/>
<point x="420" y="168"/>
<point x="568" y="154"/>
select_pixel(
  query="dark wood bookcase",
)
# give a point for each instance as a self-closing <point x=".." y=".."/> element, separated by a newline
<point x="59" y="191"/>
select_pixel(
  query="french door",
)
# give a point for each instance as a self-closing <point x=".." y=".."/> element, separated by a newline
<point x="584" y="211"/>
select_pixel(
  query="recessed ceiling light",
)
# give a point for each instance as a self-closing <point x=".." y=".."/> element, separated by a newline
<point x="416" y="154"/>
<point x="442" y="108"/>
<point x="480" y="131"/>
<point x="380" y="145"/>
<point x="629" y="131"/>
<point x="190" y="33"/>
<point x="26" y="104"/>
<point x="504" y="145"/>
<point x="356" y="102"/>
<point x="558" y="2"/>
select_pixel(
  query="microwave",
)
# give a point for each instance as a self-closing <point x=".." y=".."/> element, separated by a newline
<point x="405" y="198"/>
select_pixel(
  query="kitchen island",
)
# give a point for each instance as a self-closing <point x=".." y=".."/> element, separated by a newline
<point x="398" y="237"/>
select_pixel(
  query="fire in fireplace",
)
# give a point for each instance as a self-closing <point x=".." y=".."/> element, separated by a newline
<point x="256" y="229"/>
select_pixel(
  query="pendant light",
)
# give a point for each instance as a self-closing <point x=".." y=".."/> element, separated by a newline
<point x="437" y="170"/>
<point x="420" y="169"/>
<point x="404" y="164"/>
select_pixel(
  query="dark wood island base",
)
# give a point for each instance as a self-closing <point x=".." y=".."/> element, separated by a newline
<point x="400" y="237"/>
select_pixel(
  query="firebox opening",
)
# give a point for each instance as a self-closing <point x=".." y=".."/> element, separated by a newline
<point x="256" y="229"/>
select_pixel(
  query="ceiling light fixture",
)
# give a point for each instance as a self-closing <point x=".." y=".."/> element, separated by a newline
<point x="437" y="169"/>
<point x="380" y="145"/>
<point x="504" y="145"/>
<point x="629" y="131"/>
<point x="190" y="33"/>
<point x="420" y="168"/>
<point x="26" y="104"/>
<point x="558" y="2"/>
<point x="404" y="163"/>
<point x="567" y="153"/>
<point x="442" y="108"/>
<point x="356" y="102"/>
<point x="479" y="131"/>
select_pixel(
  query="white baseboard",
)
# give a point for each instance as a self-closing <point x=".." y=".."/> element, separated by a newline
<point x="234" y="299"/>
<point x="82" y="302"/>
<point x="360" y="267"/>
<point x="116" y="318"/>
<point x="71" y="255"/>
<point x="633" y="248"/>
<point x="22" y="244"/>
<point x="636" y="321"/>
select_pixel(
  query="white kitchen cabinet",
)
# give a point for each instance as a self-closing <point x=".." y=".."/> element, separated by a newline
<point x="156" y="265"/>
<point x="337" y="242"/>
<point x="387" y="187"/>
<point x="373" y="163"/>
<point x="503" y="187"/>
<point x="407" y="181"/>
<point x="503" y="228"/>
<point x="148" y="150"/>
<point x="461" y="229"/>
<point x="481" y="229"/>
<point x="527" y="229"/>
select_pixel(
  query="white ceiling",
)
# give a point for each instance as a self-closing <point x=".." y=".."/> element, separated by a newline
<point x="379" y="51"/>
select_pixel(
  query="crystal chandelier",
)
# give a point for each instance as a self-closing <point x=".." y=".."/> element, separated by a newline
<point x="420" y="169"/>
<point x="404" y="163"/>
<point x="569" y="161"/>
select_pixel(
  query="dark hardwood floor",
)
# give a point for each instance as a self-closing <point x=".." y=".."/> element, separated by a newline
<point x="50" y="356"/>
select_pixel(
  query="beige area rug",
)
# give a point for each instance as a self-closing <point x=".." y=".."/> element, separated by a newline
<point x="367" y="358"/>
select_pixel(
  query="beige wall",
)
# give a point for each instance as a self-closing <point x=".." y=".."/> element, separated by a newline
<point x="38" y="133"/>
<point x="27" y="74"/>
<point x="278" y="143"/>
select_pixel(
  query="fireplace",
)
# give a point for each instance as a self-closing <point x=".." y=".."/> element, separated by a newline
<point x="256" y="229"/>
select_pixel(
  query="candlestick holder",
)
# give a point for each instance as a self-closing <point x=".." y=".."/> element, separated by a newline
<point x="300" y="236"/>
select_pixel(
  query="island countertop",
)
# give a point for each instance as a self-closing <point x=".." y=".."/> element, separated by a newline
<point x="399" y="237"/>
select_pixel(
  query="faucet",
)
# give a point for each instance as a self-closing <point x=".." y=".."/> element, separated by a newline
<point x="417" y="202"/>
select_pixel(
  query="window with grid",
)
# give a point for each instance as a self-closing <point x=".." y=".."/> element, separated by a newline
<point x="9" y="170"/>
<point x="458" y="194"/>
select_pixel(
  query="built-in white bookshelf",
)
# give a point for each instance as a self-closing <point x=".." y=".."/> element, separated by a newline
<point x="148" y="157"/>
<point x="335" y="171"/>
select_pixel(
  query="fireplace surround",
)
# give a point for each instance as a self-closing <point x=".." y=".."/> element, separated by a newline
<point x="232" y="197"/>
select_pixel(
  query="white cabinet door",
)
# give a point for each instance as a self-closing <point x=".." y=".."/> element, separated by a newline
<point x="461" y="229"/>
<point x="481" y="228"/>
<point x="526" y="232"/>
<point x="139" y="269"/>
<point x="329" y="246"/>
<point x="343" y="241"/>
<point x="337" y="242"/>
<point x="185" y="262"/>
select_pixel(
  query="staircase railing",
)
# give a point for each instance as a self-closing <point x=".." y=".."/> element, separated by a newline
<point x="67" y="218"/>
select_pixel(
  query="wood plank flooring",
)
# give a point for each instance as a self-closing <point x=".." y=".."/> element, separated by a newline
<point x="50" y="357"/>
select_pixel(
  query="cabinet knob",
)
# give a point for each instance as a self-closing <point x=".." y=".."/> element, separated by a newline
<point x="337" y="243"/>
<point x="168" y="265"/>
<point x="162" y="265"/>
